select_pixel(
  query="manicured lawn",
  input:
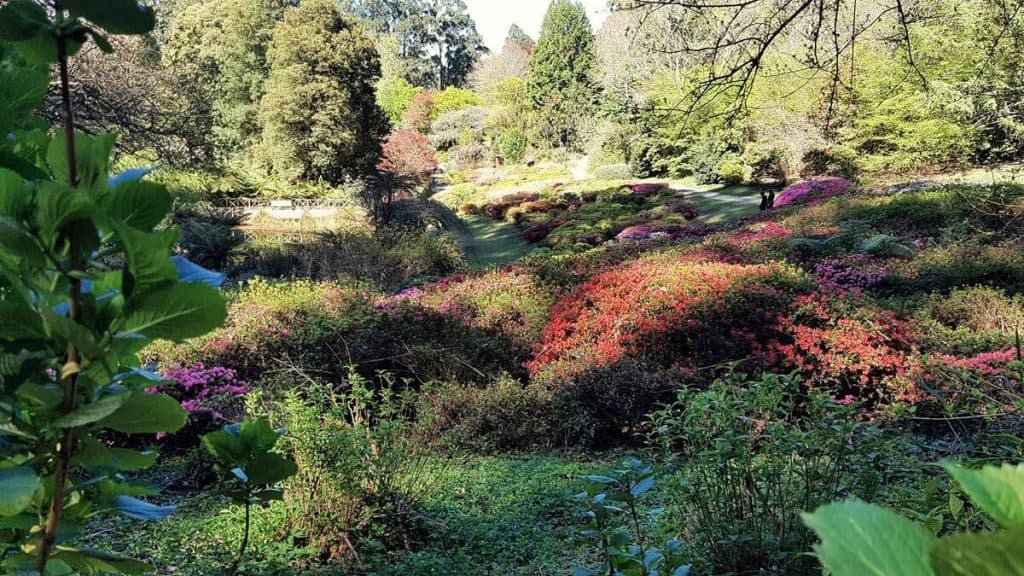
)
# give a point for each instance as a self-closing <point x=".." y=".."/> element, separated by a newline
<point x="723" y="203"/>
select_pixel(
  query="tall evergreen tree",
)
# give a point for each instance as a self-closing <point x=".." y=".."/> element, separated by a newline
<point x="519" y="37"/>
<point x="320" y="116"/>
<point x="218" y="49"/>
<point x="560" y="81"/>
<point x="438" y="38"/>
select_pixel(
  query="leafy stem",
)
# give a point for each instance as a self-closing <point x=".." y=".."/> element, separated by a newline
<point x="69" y="373"/>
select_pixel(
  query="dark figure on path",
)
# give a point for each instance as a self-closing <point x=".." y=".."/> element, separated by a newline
<point x="764" y="201"/>
<point x="771" y="199"/>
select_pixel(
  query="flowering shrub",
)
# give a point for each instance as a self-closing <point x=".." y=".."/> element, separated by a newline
<point x="857" y="274"/>
<point x="760" y="232"/>
<point x="668" y="311"/>
<point x="686" y="208"/>
<point x="848" y="348"/>
<point x="813" y="190"/>
<point x="509" y="303"/>
<point x="202" y="389"/>
<point x="648" y="188"/>
<point x="408" y="157"/>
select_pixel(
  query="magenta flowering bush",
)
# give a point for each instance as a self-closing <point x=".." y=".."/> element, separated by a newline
<point x="200" y="389"/>
<point x="812" y="190"/>
<point x="647" y="188"/>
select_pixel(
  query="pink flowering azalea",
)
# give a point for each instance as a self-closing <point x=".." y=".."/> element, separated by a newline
<point x="812" y="190"/>
<point x="200" y="388"/>
<point x="648" y="188"/>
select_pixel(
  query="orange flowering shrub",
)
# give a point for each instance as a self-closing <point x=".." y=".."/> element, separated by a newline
<point x="668" y="311"/>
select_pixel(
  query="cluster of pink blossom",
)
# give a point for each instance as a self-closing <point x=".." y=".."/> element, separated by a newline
<point x="648" y="188"/>
<point x="760" y="233"/>
<point x="199" y="388"/>
<point x="390" y="304"/>
<point x="812" y="190"/>
<point x="985" y="363"/>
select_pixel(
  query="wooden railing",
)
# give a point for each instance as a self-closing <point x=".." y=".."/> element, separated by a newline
<point x="303" y="204"/>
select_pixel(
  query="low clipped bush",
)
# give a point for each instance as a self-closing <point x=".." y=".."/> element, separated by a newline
<point x="512" y="144"/>
<point x="612" y="172"/>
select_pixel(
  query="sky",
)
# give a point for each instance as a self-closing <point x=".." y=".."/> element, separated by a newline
<point x="494" y="17"/>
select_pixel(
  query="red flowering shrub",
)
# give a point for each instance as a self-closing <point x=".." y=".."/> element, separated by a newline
<point x="408" y="157"/>
<point x="667" y="311"/>
<point x="853" y="350"/>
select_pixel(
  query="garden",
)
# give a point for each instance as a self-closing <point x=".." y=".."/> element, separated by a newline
<point x="558" y="333"/>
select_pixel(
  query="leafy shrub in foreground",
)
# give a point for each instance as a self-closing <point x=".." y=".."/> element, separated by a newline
<point x="360" y="476"/>
<point x="636" y="550"/>
<point x="751" y="454"/>
<point x="858" y="538"/>
<point x="250" y="469"/>
<point x="88" y="279"/>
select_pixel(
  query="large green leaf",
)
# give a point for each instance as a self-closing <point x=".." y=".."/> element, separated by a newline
<point x="92" y="155"/>
<point x="93" y="412"/>
<point x="999" y="491"/>
<point x="226" y="447"/>
<point x="22" y="20"/>
<point x="14" y="195"/>
<point x="147" y="414"/>
<point x="17" y="242"/>
<point x="19" y="321"/>
<point x="115" y="16"/>
<point x="859" y="539"/>
<point x="140" y="205"/>
<point x="58" y="205"/>
<point x="86" y="561"/>
<point x="176" y="312"/>
<point x="19" y="486"/>
<point x="986" y="554"/>
<point x="73" y="332"/>
<point x="148" y="256"/>
<point x="269" y="469"/>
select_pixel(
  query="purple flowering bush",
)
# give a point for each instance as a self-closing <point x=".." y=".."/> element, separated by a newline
<point x="858" y="275"/>
<point x="812" y="190"/>
<point x="211" y="395"/>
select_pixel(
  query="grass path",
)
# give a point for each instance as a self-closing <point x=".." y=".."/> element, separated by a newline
<point x="721" y="204"/>
<point x="487" y="242"/>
